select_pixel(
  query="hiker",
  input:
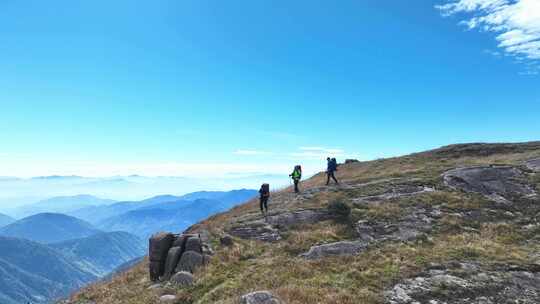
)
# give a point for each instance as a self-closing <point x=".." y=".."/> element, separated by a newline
<point x="296" y="175"/>
<point x="330" y="170"/>
<point x="265" y="195"/>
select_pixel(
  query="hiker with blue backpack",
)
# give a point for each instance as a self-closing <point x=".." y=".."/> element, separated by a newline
<point x="330" y="170"/>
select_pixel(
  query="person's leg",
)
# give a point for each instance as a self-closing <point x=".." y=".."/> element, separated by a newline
<point x="328" y="178"/>
<point x="296" y="186"/>
<point x="334" y="178"/>
<point x="261" y="203"/>
<point x="266" y="204"/>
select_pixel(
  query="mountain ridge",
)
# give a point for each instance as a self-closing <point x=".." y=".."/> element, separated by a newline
<point x="450" y="225"/>
<point x="49" y="228"/>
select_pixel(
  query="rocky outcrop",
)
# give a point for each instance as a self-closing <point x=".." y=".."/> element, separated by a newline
<point x="345" y="248"/>
<point x="502" y="183"/>
<point x="533" y="164"/>
<point x="416" y="223"/>
<point x="470" y="284"/>
<point x="268" y="229"/>
<point x="260" y="297"/>
<point x="182" y="278"/>
<point x="187" y="253"/>
<point x="397" y="191"/>
<point x="256" y="230"/>
<point x="190" y="261"/>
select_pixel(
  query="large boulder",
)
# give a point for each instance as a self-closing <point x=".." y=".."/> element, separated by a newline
<point x="496" y="182"/>
<point x="193" y="244"/>
<point x="345" y="248"/>
<point x="159" y="245"/>
<point x="189" y="261"/>
<point x="260" y="297"/>
<point x="172" y="260"/>
<point x="182" y="278"/>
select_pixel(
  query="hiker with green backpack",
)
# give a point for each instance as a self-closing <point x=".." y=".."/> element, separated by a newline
<point x="296" y="175"/>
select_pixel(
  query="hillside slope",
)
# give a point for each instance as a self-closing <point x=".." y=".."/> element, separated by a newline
<point x="33" y="272"/>
<point x="102" y="253"/>
<point x="49" y="228"/>
<point x="455" y="225"/>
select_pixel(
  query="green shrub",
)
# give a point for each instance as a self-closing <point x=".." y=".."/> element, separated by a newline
<point x="339" y="209"/>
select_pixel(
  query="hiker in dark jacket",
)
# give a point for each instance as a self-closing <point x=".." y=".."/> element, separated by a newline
<point x="296" y="176"/>
<point x="330" y="170"/>
<point x="265" y="195"/>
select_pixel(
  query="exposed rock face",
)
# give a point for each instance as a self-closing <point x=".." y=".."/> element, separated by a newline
<point x="417" y="223"/>
<point x="498" y="183"/>
<point x="257" y="230"/>
<point x="397" y="191"/>
<point x="533" y="164"/>
<point x="260" y="297"/>
<point x="268" y="229"/>
<point x="335" y="249"/>
<point x="189" y="261"/>
<point x="469" y="285"/>
<point x="182" y="278"/>
<point x="288" y="219"/>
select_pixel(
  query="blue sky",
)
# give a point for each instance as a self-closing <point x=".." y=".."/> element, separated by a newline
<point x="215" y="88"/>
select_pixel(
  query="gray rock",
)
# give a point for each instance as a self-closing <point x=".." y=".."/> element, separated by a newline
<point x="226" y="240"/>
<point x="260" y="297"/>
<point x="472" y="286"/>
<point x="155" y="286"/>
<point x="172" y="260"/>
<point x="189" y="261"/>
<point x="397" y="191"/>
<point x="193" y="244"/>
<point x="344" y="248"/>
<point x="497" y="183"/>
<point x="416" y="223"/>
<point x="167" y="299"/>
<point x="288" y="219"/>
<point x="182" y="278"/>
<point x="256" y="231"/>
<point x="533" y="164"/>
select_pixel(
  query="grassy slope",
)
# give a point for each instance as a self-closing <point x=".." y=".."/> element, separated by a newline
<point x="252" y="265"/>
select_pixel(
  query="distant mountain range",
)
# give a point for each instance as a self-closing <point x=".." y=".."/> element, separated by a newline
<point x="60" y="204"/>
<point x="102" y="253"/>
<point x="49" y="228"/>
<point x="171" y="213"/>
<point x="47" y="255"/>
<point x="5" y="220"/>
<point x="32" y="272"/>
<point x="36" y="273"/>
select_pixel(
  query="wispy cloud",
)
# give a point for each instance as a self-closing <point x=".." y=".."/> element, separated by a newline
<point x="516" y="23"/>
<point x="317" y="153"/>
<point x="251" y="152"/>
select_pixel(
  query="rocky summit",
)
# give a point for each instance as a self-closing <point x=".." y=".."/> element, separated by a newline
<point x="455" y="225"/>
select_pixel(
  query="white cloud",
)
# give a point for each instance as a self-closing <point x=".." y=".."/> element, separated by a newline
<point x="516" y="22"/>
<point x="319" y="153"/>
<point x="250" y="152"/>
